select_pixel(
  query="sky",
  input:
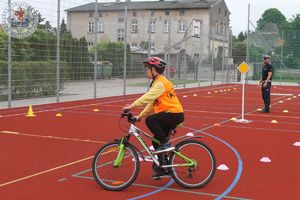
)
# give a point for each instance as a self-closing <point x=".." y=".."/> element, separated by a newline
<point x="238" y="9"/>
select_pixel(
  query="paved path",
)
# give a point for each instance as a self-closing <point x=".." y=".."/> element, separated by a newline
<point x="79" y="90"/>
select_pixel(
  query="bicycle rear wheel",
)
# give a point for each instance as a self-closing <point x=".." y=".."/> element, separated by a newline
<point x="198" y="175"/>
<point x="111" y="177"/>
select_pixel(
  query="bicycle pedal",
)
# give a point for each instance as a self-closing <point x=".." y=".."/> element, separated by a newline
<point x="165" y="176"/>
<point x="156" y="178"/>
<point x="160" y="176"/>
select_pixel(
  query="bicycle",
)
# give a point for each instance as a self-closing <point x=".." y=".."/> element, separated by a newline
<point x="116" y="164"/>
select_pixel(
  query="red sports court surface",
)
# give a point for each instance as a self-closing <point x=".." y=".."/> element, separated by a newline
<point x="49" y="157"/>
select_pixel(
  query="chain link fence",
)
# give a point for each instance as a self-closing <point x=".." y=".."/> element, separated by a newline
<point x="279" y="39"/>
<point x="54" y="64"/>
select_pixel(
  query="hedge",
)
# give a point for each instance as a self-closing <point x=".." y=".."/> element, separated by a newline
<point x="31" y="79"/>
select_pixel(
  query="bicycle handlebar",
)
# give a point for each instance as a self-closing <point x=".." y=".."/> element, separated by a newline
<point x="130" y="118"/>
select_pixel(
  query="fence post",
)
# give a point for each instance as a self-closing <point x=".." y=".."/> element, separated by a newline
<point x="9" y="63"/>
<point x="281" y="56"/>
<point x="95" y="46"/>
<point x="125" y="52"/>
<point x="248" y="39"/>
<point x="58" y="52"/>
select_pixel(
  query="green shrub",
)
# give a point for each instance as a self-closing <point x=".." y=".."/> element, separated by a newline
<point x="31" y="79"/>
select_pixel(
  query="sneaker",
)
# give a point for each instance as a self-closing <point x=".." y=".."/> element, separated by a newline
<point x="265" y="111"/>
<point x="158" y="176"/>
<point x="164" y="148"/>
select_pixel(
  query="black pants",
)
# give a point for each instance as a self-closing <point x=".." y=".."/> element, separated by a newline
<point x="266" y="91"/>
<point x="161" y="123"/>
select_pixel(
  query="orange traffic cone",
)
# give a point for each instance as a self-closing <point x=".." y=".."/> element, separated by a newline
<point x="30" y="112"/>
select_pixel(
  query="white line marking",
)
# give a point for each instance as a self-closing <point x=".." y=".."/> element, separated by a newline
<point x="46" y="171"/>
<point x="50" y="137"/>
<point x="277" y="94"/>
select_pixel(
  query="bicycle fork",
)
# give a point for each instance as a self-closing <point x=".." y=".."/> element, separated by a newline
<point x="121" y="153"/>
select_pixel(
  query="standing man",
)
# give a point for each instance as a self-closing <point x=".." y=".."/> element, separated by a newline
<point x="265" y="83"/>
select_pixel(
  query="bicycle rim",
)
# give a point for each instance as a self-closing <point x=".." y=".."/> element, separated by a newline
<point x="115" y="178"/>
<point x="202" y="173"/>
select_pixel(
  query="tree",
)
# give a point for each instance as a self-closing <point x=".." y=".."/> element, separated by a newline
<point x="272" y="15"/>
<point x="114" y="53"/>
<point x="292" y="43"/>
<point x="295" y="23"/>
<point x="238" y="51"/>
<point x="3" y="44"/>
<point x="144" y="45"/>
<point x="242" y="36"/>
<point x="63" y="27"/>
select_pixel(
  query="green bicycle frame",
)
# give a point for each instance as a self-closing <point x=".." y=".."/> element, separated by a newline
<point x="121" y="153"/>
<point x="190" y="163"/>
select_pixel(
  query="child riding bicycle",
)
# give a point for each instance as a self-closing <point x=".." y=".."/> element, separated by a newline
<point x="161" y="98"/>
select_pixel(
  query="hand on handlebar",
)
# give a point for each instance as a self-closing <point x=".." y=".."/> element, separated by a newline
<point x="137" y="118"/>
<point x="131" y="119"/>
<point x="126" y="109"/>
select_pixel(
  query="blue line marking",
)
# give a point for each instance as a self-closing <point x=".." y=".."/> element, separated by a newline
<point x="240" y="166"/>
<point x="231" y="186"/>
<point x="155" y="191"/>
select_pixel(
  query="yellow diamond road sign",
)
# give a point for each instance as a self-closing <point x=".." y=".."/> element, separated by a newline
<point x="243" y="68"/>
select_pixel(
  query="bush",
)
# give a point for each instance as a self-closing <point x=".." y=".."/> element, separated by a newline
<point x="31" y="79"/>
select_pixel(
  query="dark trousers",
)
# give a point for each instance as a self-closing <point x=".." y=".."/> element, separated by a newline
<point x="266" y="91"/>
<point x="160" y="124"/>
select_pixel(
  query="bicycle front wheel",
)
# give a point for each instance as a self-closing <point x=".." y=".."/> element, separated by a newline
<point x="198" y="175"/>
<point x="112" y="177"/>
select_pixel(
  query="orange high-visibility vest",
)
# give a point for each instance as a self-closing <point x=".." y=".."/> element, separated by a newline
<point x="168" y="101"/>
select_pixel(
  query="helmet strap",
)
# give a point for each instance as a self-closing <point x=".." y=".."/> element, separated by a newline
<point x="153" y="78"/>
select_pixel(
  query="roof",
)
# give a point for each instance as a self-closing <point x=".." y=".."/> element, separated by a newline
<point x="144" y="5"/>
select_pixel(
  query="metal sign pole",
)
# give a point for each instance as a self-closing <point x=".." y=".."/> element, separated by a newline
<point x="243" y="68"/>
<point x="243" y="96"/>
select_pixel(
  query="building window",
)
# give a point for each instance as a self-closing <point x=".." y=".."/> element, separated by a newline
<point x="166" y="26"/>
<point x="221" y="28"/>
<point x="121" y="16"/>
<point x="167" y="13"/>
<point x="134" y="45"/>
<point x="152" y="45"/>
<point x="219" y="11"/>
<point x="152" y="26"/>
<point x="91" y="27"/>
<point x="101" y="26"/>
<point x="216" y="28"/>
<point x="91" y="43"/>
<point x="121" y="34"/>
<point x="134" y="26"/>
<point x="99" y="14"/>
<point x="152" y="13"/>
<point x="198" y="31"/>
<point x="225" y="13"/>
<point x="182" y="26"/>
<point x="181" y="13"/>
<point x="91" y="14"/>
<point x="134" y="13"/>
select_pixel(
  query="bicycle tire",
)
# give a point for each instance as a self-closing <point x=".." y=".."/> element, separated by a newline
<point x="202" y="173"/>
<point x="115" y="178"/>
